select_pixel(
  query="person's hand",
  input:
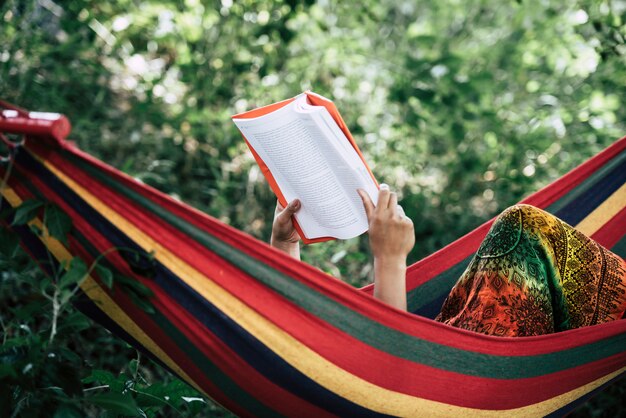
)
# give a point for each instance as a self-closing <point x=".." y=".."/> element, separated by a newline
<point x="391" y="232"/>
<point x="391" y="238"/>
<point x="284" y="236"/>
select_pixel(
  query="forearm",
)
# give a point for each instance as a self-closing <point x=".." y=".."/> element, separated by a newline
<point x="390" y="281"/>
<point x="291" y="248"/>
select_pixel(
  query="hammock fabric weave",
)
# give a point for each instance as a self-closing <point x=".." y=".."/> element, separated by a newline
<point x="266" y="335"/>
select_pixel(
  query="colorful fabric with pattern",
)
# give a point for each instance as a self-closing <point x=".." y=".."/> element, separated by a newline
<point x="534" y="274"/>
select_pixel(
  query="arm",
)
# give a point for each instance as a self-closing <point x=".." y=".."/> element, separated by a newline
<point x="284" y="235"/>
<point x="391" y="238"/>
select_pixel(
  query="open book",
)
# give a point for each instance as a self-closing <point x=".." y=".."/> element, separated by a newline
<point x="306" y="152"/>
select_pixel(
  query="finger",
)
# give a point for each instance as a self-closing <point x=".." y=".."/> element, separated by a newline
<point x="290" y="210"/>
<point x="393" y="201"/>
<point x="383" y="198"/>
<point x="400" y="210"/>
<point x="367" y="203"/>
<point x="279" y="208"/>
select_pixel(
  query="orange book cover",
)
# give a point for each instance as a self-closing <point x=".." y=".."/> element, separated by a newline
<point x="316" y="100"/>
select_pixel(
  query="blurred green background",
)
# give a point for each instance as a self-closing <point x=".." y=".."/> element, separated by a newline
<point x="464" y="107"/>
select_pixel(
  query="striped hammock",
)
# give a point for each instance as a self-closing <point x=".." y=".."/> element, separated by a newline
<point x="266" y="335"/>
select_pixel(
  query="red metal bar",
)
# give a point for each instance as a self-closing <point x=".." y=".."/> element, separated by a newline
<point x="18" y="121"/>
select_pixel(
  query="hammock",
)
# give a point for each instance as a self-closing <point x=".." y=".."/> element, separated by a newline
<point x="266" y="335"/>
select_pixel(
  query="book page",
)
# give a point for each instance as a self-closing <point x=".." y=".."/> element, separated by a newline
<point x="307" y="163"/>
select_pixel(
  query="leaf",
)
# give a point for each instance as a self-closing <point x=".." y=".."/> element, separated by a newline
<point x="9" y="243"/>
<point x="13" y="343"/>
<point x="116" y="384"/>
<point x="133" y="365"/>
<point x="115" y="402"/>
<point x="146" y="400"/>
<point x="135" y="286"/>
<point x="137" y="292"/>
<point x="140" y="263"/>
<point x="6" y="211"/>
<point x="69" y="355"/>
<point x="58" y="223"/>
<point x="143" y="304"/>
<point x="26" y="211"/>
<point x="44" y="284"/>
<point x="173" y="392"/>
<point x="75" y="273"/>
<point x="67" y="410"/>
<point x="7" y="370"/>
<point x="35" y="229"/>
<point x="101" y="377"/>
<point x="27" y="311"/>
<point x="76" y="321"/>
<point x="106" y="276"/>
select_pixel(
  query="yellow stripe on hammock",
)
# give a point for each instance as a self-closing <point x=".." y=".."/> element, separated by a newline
<point x="605" y="211"/>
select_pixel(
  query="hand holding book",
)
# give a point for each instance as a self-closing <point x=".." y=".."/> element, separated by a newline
<point x="306" y="152"/>
<point x="284" y="236"/>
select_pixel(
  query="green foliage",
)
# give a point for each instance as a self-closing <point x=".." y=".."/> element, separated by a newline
<point x="105" y="275"/>
<point x="116" y="403"/>
<point x="75" y="273"/>
<point x="9" y="243"/>
<point x="26" y="211"/>
<point x="58" y="223"/>
<point x="41" y="372"/>
<point x="464" y="107"/>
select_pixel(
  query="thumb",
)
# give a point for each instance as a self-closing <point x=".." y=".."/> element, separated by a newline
<point x="290" y="210"/>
